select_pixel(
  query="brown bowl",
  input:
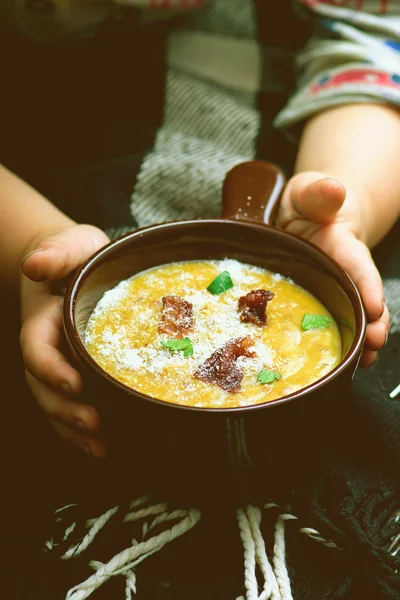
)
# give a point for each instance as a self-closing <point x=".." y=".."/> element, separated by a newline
<point x="167" y="444"/>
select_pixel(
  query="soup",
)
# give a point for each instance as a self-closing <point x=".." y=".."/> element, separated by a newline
<point x="212" y="334"/>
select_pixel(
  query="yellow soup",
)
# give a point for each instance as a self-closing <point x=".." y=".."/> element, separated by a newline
<point x="130" y="337"/>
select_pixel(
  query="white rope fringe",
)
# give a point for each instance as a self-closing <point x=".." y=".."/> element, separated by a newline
<point x="88" y="539"/>
<point x="279" y="561"/>
<point x="125" y="562"/>
<point x="309" y="531"/>
<point x="275" y="584"/>
<point x="276" y="580"/>
<point x="255" y="554"/>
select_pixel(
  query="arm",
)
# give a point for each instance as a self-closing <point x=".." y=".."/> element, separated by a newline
<point x="25" y="215"/>
<point x="49" y="245"/>
<point x="360" y="146"/>
<point x="344" y="196"/>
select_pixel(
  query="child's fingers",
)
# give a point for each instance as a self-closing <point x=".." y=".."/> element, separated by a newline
<point x="313" y="197"/>
<point x="56" y="256"/>
<point x="319" y="201"/>
<point x="377" y="332"/>
<point x="359" y="264"/>
<point x="40" y="337"/>
<point x="62" y="409"/>
<point x="355" y="258"/>
<point x="89" y="444"/>
<point x="368" y="358"/>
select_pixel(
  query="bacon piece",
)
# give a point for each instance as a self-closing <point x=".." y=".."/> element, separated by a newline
<point x="253" y="306"/>
<point x="177" y="317"/>
<point x="220" y="368"/>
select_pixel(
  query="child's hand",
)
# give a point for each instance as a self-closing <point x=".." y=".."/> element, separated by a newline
<point x="55" y="384"/>
<point x="320" y="210"/>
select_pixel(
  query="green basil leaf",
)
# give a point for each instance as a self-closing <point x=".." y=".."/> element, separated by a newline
<point x="315" y="322"/>
<point x="222" y="283"/>
<point x="185" y="345"/>
<point x="266" y="376"/>
<point x="189" y="350"/>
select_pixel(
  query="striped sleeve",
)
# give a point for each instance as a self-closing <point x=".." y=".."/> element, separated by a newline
<point x="353" y="56"/>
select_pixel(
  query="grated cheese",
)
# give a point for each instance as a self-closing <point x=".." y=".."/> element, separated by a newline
<point x="123" y="332"/>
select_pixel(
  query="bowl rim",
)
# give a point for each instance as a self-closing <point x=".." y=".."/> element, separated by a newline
<point x="90" y="264"/>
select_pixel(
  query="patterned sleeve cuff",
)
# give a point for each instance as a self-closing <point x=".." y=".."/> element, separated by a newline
<point x="346" y="84"/>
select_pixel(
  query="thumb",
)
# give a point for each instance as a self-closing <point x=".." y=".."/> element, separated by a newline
<point x="56" y="256"/>
<point x="314" y="197"/>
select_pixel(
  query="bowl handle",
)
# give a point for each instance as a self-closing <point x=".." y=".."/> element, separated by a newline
<point x="252" y="192"/>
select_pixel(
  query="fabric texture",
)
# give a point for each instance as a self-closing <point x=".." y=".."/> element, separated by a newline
<point x="206" y="130"/>
<point x="212" y="123"/>
<point x="49" y="21"/>
<point x="353" y="56"/>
